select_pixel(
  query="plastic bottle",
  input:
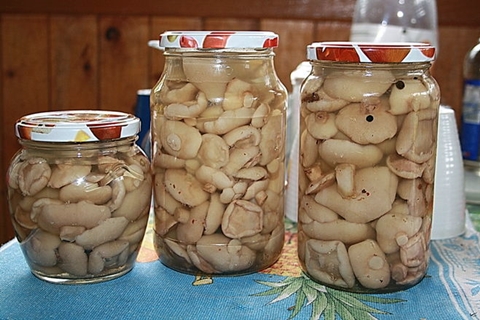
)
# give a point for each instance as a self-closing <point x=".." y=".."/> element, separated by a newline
<point x="470" y="135"/>
<point x="395" y="21"/>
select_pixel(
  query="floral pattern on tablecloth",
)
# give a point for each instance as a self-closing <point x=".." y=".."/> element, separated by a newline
<point x="459" y="284"/>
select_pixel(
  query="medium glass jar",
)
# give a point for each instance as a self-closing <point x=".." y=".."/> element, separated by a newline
<point x="79" y="194"/>
<point x="368" y="128"/>
<point x="218" y="133"/>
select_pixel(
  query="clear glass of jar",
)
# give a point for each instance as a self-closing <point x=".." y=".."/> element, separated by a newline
<point x="368" y="128"/>
<point x="218" y="135"/>
<point x="79" y="194"/>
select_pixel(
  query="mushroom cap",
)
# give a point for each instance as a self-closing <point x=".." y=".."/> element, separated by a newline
<point x="328" y="262"/>
<point x="375" y="191"/>
<point x="184" y="187"/>
<point x="409" y="95"/>
<point x="321" y="125"/>
<point x="225" y="254"/>
<point x="367" y="122"/>
<point x="316" y="211"/>
<point x="342" y="230"/>
<point x="417" y="137"/>
<point x="242" y="219"/>
<point x="179" y="139"/>
<point x="404" y="168"/>
<point x="394" y="225"/>
<point x="336" y="151"/>
<point x="369" y="264"/>
<point x="355" y="85"/>
<point x="320" y="101"/>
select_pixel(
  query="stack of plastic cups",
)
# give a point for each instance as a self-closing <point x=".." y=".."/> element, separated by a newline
<point x="449" y="200"/>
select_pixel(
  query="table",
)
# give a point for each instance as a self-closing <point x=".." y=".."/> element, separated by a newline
<point x="451" y="290"/>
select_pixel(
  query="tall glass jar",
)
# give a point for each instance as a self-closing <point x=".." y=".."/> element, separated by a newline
<point x="218" y="133"/>
<point x="79" y="194"/>
<point x="369" y="116"/>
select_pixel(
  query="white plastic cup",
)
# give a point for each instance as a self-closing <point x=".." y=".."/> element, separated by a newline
<point x="449" y="195"/>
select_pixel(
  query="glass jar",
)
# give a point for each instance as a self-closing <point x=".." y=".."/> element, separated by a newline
<point x="368" y="126"/>
<point x="79" y="194"/>
<point x="218" y="134"/>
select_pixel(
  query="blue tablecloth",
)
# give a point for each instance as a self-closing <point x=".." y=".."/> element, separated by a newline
<point x="451" y="290"/>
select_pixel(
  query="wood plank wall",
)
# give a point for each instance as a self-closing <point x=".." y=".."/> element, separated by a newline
<point x="93" y="54"/>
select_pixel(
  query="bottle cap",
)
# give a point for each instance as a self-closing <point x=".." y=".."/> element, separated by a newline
<point x="218" y="40"/>
<point x="393" y="52"/>
<point x="77" y="126"/>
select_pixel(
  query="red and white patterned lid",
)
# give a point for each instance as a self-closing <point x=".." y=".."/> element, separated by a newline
<point x="218" y="40"/>
<point x="393" y="52"/>
<point x="77" y="126"/>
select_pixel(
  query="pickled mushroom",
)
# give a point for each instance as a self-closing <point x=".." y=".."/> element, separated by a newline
<point x="179" y="139"/>
<point x="242" y="219"/>
<point x="184" y="187"/>
<point x="51" y="215"/>
<point x="63" y="174"/>
<point x="342" y="230"/>
<point x="236" y="94"/>
<point x="321" y="101"/>
<point x="405" y="168"/>
<point x="224" y="254"/>
<point x="41" y="248"/>
<point x="213" y="151"/>
<point x="33" y="176"/>
<point x="367" y="122"/>
<point x="192" y="230"/>
<point x="369" y="264"/>
<point x="336" y="151"/>
<point x="328" y="262"/>
<point x="375" y="190"/>
<point x="321" y="125"/>
<point x="413" y="190"/>
<point x="412" y="253"/>
<point x="73" y="259"/>
<point x="417" y="136"/>
<point x="316" y="211"/>
<point x="408" y="95"/>
<point x="351" y="85"/>
<point x="395" y="229"/>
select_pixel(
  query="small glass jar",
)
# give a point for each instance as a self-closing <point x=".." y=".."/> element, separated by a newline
<point x="79" y="194"/>
<point x="368" y="128"/>
<point x="218" y="134"/>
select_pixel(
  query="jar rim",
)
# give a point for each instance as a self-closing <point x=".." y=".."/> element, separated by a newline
<point x="198" y="40"/>
<point x="77" y="126"/>
<point x="371" y="52"/>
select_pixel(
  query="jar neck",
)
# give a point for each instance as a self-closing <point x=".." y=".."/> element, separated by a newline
<point x="420" y="67"/>
<point x="199" y="66"/>
<point x="222" y="53"/>
<point x="78" y="149"/>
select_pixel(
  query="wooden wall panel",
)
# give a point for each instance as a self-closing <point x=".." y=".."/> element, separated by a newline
<point x="332" y="31"/>
<point x="66" y="55"/>
<point x="294" y="36"/>
<point x="74" y="62"/>
<point x="245" y="9"/>
<point x="25" y="83"/>
<point x="123" y="60"/>
<point x="230" y="24"/>
<point x="453" y="13"/>
<point x="448" y="69"/>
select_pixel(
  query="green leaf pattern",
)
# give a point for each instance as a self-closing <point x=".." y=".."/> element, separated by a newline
<point x="323" y="300"/>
